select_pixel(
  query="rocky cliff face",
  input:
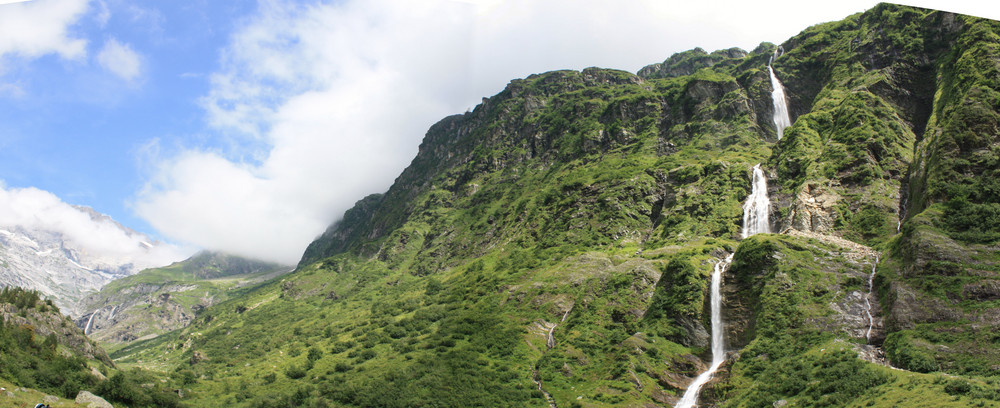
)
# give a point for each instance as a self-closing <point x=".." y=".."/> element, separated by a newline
<point x="939" y="279"/>
<point x="553" y="246"/>
<point x="140" y="312"/>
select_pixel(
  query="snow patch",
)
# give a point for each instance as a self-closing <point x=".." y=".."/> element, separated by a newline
<point x="80" y="266"/>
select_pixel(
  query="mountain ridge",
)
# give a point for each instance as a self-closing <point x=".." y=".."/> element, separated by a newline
<point x="553" y="245"/>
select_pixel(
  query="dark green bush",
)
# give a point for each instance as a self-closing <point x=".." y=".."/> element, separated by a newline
<point x="904" y="355"/>
<point x="957" y="386"/>
<point x="295" y="372"/>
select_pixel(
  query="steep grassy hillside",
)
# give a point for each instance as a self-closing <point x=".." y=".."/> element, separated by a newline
<point x="553" y="246"/>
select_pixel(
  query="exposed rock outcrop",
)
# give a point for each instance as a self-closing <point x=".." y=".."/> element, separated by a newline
<point x="813" y="210"/>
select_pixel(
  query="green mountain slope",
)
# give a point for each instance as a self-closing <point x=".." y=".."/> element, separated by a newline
<point x="44" y="357"/>
<point x="553" y="247"/>
<point x="159" y="300"/>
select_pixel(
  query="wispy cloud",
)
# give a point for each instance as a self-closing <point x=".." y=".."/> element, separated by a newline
<point x="12" y="90"/>
<point x="120" y="59"/>
<point x="103" y="14"/>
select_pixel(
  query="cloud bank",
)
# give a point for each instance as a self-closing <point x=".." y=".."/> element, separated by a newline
<point x="98" y="236"/>
<point x="323" y="105"/>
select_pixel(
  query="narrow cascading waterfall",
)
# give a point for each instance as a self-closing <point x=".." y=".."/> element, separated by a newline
<point x="718" y="341"/>
<point x="86" y="329"/>
<point x="755" y="221"/>
<point x="757" y="206"/>
<point x="868" y="304"/>
<point x="781" y="118"/>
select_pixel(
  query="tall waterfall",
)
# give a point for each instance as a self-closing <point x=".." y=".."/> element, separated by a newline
<point x="718" y="341"/>
<point x="757" y="206"/>
<point x="781" y="119"/>
<point x="755" y="214"/>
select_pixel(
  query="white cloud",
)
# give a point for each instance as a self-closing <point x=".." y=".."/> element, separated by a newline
<point x="322" y="104"/>
<point x="332" y="101"/>
<point x="35" y="28"/>
<point x="100" y="237"/>
<point x="120" y="59"/>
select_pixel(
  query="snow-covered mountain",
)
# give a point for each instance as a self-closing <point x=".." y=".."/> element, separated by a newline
<point x="73" y="251"/>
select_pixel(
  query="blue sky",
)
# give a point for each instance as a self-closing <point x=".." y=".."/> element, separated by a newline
<point x="77" y="129"/>
<point x="249" y="126"/>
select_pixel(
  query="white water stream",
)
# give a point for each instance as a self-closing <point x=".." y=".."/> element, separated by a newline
<point x="868" y="304"/>
<point x="781" y="118"/>
<point x="755" y="221"/>
<point x="91" y="319"/>
<point x="757" y="206"/>
<point x="718" y="341"/>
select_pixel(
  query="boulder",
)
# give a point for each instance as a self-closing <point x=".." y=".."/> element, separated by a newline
<point x="197" y="357"/>
<point x="94" y="372"/>
<point x="89" y="400"/>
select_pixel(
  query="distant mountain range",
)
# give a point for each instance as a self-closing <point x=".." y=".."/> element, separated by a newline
<point x="49" y="259"/>
<point x="159" y="300"/>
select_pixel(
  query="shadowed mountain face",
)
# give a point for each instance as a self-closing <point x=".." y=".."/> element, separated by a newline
<point x="553" y="247"/>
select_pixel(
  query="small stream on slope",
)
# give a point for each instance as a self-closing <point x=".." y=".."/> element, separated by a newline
<point x="868" y="304"/>
<point x="86" y="329"/>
